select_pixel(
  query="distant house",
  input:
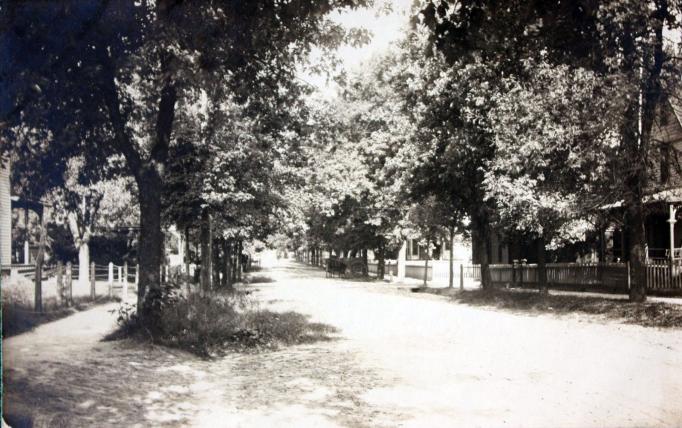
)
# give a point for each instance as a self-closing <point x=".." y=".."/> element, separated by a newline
<point x="5" y="215"/>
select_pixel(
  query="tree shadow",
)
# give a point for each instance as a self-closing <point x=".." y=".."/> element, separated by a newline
<point x="128" y="383"/>
<point x="648" y="314"/>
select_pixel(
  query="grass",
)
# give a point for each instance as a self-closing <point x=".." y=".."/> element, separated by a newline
<point x="214" y="324"/>
<point x="19" y="316"/>
<point x="648" y="314"/>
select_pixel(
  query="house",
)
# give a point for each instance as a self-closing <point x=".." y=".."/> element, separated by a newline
<point x="663" y="195"/>
<point x="5" y="215"/>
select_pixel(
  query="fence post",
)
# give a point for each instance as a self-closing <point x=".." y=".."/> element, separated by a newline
<point x="110" y="279"/>
<point x="93" y="281"/>
<point x="461" y="276"/>
<point x="69" y="284"/>
<point x="60" y="282"/>
<point x="137" y="275"/>
<point x="627" y="265"/>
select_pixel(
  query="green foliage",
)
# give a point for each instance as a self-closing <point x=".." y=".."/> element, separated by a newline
<point x="555" y="133"/>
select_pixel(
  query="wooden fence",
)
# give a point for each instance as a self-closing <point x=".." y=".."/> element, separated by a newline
<point x="60" y="280"/>
<point x="390" y="267"/>
<point x="608" y="276"/>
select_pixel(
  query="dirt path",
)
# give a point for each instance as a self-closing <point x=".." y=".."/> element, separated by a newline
<point x="401" y="360"/>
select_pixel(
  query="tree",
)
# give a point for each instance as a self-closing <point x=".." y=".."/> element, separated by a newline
<point x="624" y="39"/>
<point x="141" y="61"/>
<point x="554" y="134"/>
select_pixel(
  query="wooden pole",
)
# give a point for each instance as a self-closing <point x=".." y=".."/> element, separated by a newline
<point x="93" y="282"/>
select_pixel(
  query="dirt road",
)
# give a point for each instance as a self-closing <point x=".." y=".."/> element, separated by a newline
<point x="400" y="360"/>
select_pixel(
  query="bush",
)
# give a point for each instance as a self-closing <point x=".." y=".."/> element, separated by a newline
<point x="213" y="324"/>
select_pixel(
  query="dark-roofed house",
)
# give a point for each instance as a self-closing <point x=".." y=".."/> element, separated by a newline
<point x="664" y="193"/>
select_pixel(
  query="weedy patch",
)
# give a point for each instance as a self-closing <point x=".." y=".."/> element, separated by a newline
<point x="648" y="314"/>
<point x="211" y="325"/>
<point x="258" y="279"/>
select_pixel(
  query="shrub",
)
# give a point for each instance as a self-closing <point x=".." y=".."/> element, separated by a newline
<point x="208" y="325"/>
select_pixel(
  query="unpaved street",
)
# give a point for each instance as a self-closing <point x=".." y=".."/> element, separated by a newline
<point x="400" y="359"/>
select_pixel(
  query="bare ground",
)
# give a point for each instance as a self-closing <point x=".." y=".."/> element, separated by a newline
<point x="400" y="360"/>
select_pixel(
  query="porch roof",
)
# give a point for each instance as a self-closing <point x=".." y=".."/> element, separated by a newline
<point x="672" y="196"/>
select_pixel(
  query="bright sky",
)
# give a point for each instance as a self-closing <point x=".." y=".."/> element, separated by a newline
<point x="386" y="27"/>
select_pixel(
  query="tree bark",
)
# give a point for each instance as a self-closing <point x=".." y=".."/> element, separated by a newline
<point x="186" y="261"/>
<point x="206" y="257"/>
<point x="451" y="273"/>
<point x="227" y="265"/>
<point x="542" y="266"/>
<point x="39" y="264"/>
<point x="426" y="264"/>
<point x="638" y="254"/>
<point x="482" y="233"/>
<point x="239" y="260"/>
<point x="215" y="263"/>
<point x="83" y="263"/>
<point x="381" y="264"/>
<point x="151" y="237"/>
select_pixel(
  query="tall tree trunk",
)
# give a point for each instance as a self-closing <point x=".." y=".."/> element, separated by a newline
<point x="215" y="263"/>
<point x="186" y="261"/>
<point x="38" y="307"/>
<point x="451" y="267"/>
<point x="364" y="260"/>
<point x="381" y="265"/>
<point x="239" y="260"/>
<point x="426" y="264"/>
<point x="638" y="254"/>
<point x="636" y="142"/>
<point x="542" y="266"/>
<point x="227" y="265"/>
<point x="481" y="230"/>
<point x="84" y="263"/>
<point x="151" y="237"/>
<point x="206" y="257"/>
